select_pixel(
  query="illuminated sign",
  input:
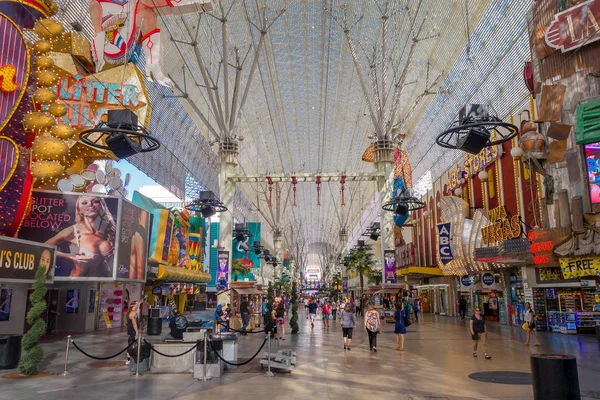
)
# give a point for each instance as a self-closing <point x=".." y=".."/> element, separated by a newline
<point x="89" y="99"/>
<point x="7" y="79"/>
<point x="467" y="280"/>
<point x="445" y="252"/>
<point x="473" y="165"/>
<point x="487" y="279"/>
<point x="542" y="246"/>
<point x="503" y="227"/>
<point x="578" y="267"/>
<point x="575" y="27"/>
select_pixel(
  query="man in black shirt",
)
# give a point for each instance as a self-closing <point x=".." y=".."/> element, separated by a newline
<point x="245" y="312"/>
<point x="462" y="307"/>
<point x="52" y="314"/>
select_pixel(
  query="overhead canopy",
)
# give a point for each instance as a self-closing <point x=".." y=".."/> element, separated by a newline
<point x="249" y="291"/>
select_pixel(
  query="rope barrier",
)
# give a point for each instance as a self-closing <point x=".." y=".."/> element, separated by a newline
<point x="98" y="358"/>
<point x="238" y="364"/>
<point x="234" y="330"/>
<point x="169" y="355"/>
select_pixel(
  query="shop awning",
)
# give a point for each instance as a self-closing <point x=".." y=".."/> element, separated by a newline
<point x="389" y="291"/>
<point x="180" y="274"/>
<point x="423" y="272"/>
<point x="248" y="291"/>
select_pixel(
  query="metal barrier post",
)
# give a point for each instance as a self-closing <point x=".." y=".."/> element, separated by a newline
<point x="205" y="378"/>
<point x="269" y="373"/>
<point x="139" y="350"/>
<point x="67" y="356"/>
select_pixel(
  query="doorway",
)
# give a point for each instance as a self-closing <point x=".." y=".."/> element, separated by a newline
<point x="50" y="294"/>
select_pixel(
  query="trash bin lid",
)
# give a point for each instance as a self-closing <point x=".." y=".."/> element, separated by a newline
<point x="554" y="356"/>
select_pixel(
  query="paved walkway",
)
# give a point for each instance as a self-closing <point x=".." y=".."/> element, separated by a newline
<point x="435" y="365"/>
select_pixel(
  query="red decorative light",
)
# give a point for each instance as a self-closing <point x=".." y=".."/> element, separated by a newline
<point x="270" y="182"/>
<point x="343" y="183"/>
<point x="318" y="182"/>
<point x="294" y="183"/>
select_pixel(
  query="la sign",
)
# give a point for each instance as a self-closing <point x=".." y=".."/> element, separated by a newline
<point x="575" y="27"/>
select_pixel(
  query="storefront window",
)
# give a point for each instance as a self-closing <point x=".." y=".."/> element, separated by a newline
<point x="5" y="297"/>
<point x="72" y="305"/>
<point x="592" y="161"/>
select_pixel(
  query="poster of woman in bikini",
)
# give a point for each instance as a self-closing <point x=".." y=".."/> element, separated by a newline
<point x="83" y="228"/>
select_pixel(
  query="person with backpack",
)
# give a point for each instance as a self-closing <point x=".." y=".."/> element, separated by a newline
<point x="372" y="325"/>
<point x="529" y="325"/>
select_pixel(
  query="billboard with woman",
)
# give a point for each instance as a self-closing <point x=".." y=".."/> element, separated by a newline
<point x="133" y="243"/>
<point x="83" y="228"/>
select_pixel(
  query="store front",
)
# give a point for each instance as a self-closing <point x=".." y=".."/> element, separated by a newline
<point x="566" y="298"/>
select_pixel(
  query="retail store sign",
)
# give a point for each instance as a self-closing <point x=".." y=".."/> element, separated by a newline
<point x="550" y="274"/>
<point x="578" y="267"/>
<point x="487" y="279"/>
<point x="575" y="27"/>
<point x="444" y="249"/>
<point x="473" y="165"/>
<point x="19" y="260"/>
<point x="467" y="280"/>
<point x="504" y="226"/>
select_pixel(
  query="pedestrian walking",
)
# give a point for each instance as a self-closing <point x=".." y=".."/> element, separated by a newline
<point x="399" y="327"/>
<point x="372" y="325"/>
<point x="280" y="316"/>
<point x="326" y="313"/>
<point x="479" y="333"/>
<point x="348" y="325"/>
<point x="306" y="303"/>
<point x="245" y="312"/>
<point x="334" y="309"/>
<point x="462" y="307"/>
<point x="312" y="312"/>
<point x="358" y="305"/>
<point x="415" y="307"/>
<point x="529" y="325"/>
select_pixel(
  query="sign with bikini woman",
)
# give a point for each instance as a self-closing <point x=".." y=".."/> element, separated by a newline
<point x="83" y="228"/>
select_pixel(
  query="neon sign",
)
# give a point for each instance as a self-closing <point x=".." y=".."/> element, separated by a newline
<point x="503" y="227"/>
<point x="89" y="99"/>
<point x="473" y="165"/>
<point x="7" y="78"/>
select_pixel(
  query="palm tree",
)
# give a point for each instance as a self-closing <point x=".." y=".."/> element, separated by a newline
<point x="238" y="269"/>
<point x="360" y="262"/>
<point x="374" y="277"/>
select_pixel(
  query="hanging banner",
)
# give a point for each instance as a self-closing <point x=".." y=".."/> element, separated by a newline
<point x="578" y="267"/>
<point x="390" y="266"/>
<point x="223" y="270"/>
<point x="344" y="285"/>
<point x="445" y="252"/>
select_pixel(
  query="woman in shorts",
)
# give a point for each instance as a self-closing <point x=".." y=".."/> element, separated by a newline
<point x="348" y="325"/>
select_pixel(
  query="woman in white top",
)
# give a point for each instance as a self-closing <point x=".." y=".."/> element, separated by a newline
<point x="530" y="319"/>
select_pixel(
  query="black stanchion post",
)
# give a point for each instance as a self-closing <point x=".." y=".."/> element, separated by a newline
<point x="67" y="356"/>
<point x="555" y="377"/>
<point x="139" y="350"/>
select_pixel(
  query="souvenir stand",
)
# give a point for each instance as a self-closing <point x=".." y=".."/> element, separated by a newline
<point x="255" y="295"/>
<point x="393" y="291"/>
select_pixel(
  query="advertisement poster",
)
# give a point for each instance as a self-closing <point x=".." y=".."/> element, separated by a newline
<point x="223" y="270"/>
<point x="344" y="285"/>
<point x="133" y="242"/>
<point x="445" y="251"/>
<point x="83" y="228"/>
<point x="390" y="266"/>
<point x="20" y="258"/>
<point x="5" y="297"/>
<point x="72" y="304"/>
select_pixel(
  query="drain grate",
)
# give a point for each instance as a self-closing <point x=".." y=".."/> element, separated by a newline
<point x="503" y="377"/>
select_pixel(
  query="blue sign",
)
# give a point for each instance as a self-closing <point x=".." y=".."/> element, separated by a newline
<point x="445" y="251"/>
<point x="157" y="290"/>
<point x="466" y="280"/>
<point x="487" y="279"/>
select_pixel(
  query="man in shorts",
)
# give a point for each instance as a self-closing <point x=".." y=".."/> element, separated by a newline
<point x="312" y="312"/>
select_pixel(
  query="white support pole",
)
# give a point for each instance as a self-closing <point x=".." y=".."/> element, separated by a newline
<point x="227" y="192"/>
<point x="385" y="186"/>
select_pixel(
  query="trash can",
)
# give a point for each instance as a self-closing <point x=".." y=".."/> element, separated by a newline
<point x="555" y="377"/>
<point x="154" y="326"/>
<point x="10" y="351"/>
<point x="598" y="332"/>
